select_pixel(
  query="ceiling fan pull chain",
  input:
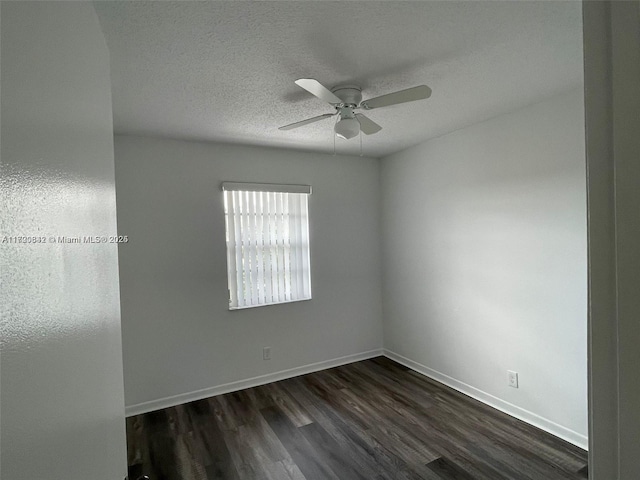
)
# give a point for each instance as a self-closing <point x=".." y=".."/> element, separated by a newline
<point x="334" y="139"/>
<point x="360" y="142"/>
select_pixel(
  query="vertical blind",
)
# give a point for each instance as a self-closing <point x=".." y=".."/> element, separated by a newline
<point x="267" y="243"/>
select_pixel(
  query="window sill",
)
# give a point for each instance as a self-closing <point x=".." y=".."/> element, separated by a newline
<point x="269" y="304"/>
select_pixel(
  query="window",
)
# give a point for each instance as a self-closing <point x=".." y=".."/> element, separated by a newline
<point x="267" y="243"/>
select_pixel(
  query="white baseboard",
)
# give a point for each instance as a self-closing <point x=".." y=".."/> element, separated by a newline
<point x="174" y="400"/>
<point x="520" y="413"/>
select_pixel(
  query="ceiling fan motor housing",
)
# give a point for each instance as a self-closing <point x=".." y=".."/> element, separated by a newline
<point x="351" y="95"/>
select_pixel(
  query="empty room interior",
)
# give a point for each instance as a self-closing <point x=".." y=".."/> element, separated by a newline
<point x="295" y="240"/>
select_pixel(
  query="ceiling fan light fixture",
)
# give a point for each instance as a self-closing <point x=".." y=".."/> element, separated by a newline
<point x="347" y="128"/>
<point x="346" y="99"/>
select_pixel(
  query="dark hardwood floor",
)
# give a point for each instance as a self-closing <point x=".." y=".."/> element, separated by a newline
<point x="373" y="419"/>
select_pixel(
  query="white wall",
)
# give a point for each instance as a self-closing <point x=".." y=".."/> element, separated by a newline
<point x="62" y="393"/>
<point x="178" y="335"/>
<point x="485" y="262"/>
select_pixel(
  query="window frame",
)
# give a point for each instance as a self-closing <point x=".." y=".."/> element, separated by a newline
<point x="267" y="227"/>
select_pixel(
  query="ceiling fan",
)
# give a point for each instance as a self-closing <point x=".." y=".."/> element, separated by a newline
<point x="346" y="99"/>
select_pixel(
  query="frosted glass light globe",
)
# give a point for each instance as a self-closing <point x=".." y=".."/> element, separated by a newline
<point x="347" y="128"/>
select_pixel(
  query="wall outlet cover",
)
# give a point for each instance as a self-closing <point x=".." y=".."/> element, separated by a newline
<point x="512" y="378"/>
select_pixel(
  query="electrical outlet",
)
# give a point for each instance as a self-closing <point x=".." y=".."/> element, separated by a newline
<point x="512" y="378"/>
<point x="266" y="353"/>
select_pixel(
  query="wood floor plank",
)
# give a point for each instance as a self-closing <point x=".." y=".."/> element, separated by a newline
<point x="292" y="470"/>
<point x="289" y="405"/>
<point x="219" y="464"/>
<point x="196" y="449"/>
<point x="187" y="463"/>
<point x="135" y="470"/>
<point x="229" y="416"/>
<point x="135" y="440"/>
<point x="260" y="397"/>
<point x="353" y="439"/>
<point x="162" y="456"/>
<point x="264" y="438"/>
<point x="246" y="459"/>
<point x="303" y="454"/>
<point x="373" y="420"/>
<point x="583" y="472"/>
<point x="448" y="470"/>
<point x="385" y="437"/>
<point x="398" y="430"/>
<point x="330" y="452"/>
<point x="488" y="426"/>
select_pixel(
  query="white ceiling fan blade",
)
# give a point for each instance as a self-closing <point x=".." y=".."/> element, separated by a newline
<point x="367" y="126"/>
<point x="316" y="88"/>
<point x="409" y="95"/>
<point x="306" y="122"/>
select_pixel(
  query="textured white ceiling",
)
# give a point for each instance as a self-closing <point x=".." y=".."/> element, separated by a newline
<point x="224" y="71"/>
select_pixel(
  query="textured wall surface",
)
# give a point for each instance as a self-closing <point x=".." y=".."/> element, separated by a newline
<point x="178" y="334"/>
<point x="62" y="390"/>
<point x="485" y="260"/>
